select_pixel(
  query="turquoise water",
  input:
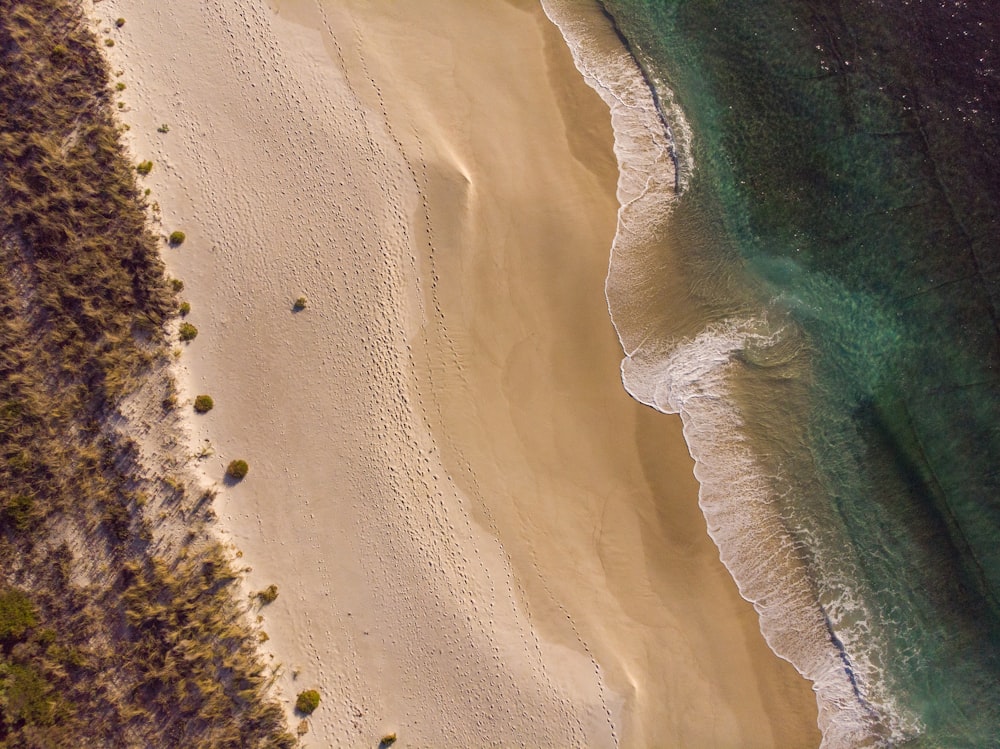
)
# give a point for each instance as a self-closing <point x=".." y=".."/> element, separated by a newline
<point x="837" y="240"/>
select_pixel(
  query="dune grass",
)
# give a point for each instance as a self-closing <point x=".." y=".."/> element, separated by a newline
<point x="268" y="595"/>
<point x="105" y="639"/>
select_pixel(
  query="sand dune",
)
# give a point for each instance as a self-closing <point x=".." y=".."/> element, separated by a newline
<point x="476" y="535"/>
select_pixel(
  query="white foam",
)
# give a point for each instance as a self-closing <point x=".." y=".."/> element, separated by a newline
<point x="690" y="377"/>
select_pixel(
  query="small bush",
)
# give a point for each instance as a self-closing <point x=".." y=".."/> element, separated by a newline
<point x="307" y="701"/>
<point x="28" y="696"/>
<point x="119" y="86"/>
<point x="300" y="304"/>
<point x="237" y="470"/>
<point x="187" y="331"/>
<point x="176" y="238"/>
<point x="164" y="128"/>
<point x="184" y="309"/>
<point x="144" y="168"/>
<point x="17" y="614"/>
<point x="268" y="594"/>
<point x="109" y="42"/>
<point x="120" y="22"/>
<point x="388" y="740"/>
<point x="203" y="404"/>
<point x="177" y="284"/>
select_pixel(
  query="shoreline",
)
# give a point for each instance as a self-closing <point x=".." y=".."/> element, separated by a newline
<point x="653" y="93"/>
<point x="498" y="449"/>
<point x="672" y="379"/>
<point x="414" y="590"/>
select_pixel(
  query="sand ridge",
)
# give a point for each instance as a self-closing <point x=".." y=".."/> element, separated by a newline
<point x="472" y="542"/>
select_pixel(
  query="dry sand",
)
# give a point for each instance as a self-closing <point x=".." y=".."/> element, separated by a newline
<point x="477" y="537"/>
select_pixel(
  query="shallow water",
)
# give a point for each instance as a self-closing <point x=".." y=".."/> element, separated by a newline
<point x="835" y="252"/>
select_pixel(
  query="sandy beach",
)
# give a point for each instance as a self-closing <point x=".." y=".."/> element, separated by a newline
<point x="476" y="535"/>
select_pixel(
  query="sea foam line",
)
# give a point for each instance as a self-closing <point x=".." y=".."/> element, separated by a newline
<point x="689" y="378"/>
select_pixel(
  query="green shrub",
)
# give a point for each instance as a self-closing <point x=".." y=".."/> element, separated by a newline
<point x="187" y="331"/>
<point x="17" y="614"/>
<point x="120" y="22"/>
<point x="388" y="740"/>
<point x="109" y="42"/>
<point x="164" y="128"/>
<point x="268" y="594"/>
<point x="176" y="284"/>
<point x="144" y="168"/>
<point x="176" y="238"/>
<point x="184" y="309"/>
<point x="203" y="404"/>
<point x="300" y="304"/>
<point x="307" y="701"/>
<point x="119" y="86"/>
<point x="27" y="696"/>
<point x="237" y="470"/>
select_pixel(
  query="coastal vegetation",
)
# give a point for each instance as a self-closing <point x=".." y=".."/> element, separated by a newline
<point x="108" y="637"/>
<point x="269" y="594"/>
<point x="144" y="167"/>
<point x="307" y="701"/>
<point x="203" y="403"/>
<point x="17" y="614"/>
<point x="187" y="332"/>
<point x="300" y="304"/>
<point x="176" y="238"/>
<point x="237" y="470"/>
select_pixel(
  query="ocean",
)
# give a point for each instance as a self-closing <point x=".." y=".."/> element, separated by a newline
<point x="807" y="269"/>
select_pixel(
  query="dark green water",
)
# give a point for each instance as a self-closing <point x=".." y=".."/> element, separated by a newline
<point x="844" y="191"/>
